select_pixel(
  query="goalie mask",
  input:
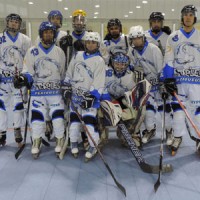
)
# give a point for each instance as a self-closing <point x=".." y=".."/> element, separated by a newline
<point x="13" y="23"/>
<point x="47" y="33"/>
<point x="189" y="9"/>
<point x="79" y="21"/>
<point x="92" y="42"/>
<point x="156" y="21"/>
<point x="137" y="37"/>
<point x="120" y="63"/>
<point x="56" y="18"/>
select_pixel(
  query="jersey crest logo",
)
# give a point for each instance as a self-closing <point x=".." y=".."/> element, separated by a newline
<point x="175" y="38"/>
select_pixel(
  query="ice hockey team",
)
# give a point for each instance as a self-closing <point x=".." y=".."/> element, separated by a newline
<point x="73" y="87"/>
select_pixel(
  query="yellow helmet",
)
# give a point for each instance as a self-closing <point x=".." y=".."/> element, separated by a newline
<point x="79" y="12"/>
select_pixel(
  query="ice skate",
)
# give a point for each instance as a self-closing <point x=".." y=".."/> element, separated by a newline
<point x="37" y="143"/>
<point x="147" y="135"/>
<point x="18" y="136"/>
<point x="198" y="147"/>
<point x="59" y="145"/>
<point x="90" y="153"/>
<point x="169" y="137"/>
<point x="3" y="138"/>
<point x="74" y="149"/>
<point x="175" y="145"/>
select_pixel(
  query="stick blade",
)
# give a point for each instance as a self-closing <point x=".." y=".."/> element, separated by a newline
<point x="154" y="169"/>
<point x="17" y="154"/>
<point x="156" y="185"/>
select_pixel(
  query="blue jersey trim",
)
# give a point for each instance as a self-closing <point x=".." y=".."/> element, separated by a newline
<point x="168" y="71"/>
<point x="11" y="37"/>
<point x="46" y="51"/>
<point x="187" y="35"/>
<point x="155" y="37"/>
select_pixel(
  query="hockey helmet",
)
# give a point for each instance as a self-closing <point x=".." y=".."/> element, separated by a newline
<point x="156" y="16"/>
<point x="47" y="26"/>
<point x="120" y="61"/>
<point x="189" y="9"/>
<point x="92" y="36"/>
<point x="79" y="20"/>
<point x="55" y="13"/>
<point x="15" y="17"/>
<point x="114" y="22"/>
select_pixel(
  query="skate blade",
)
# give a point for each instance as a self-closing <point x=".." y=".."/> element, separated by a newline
<point x="75" y="155"/>
<point x="36" y="156"/>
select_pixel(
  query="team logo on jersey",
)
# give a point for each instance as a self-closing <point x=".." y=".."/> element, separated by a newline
<point x="46" y="67"/>
<point x="175" y="38"/>
<point x="11" y="56"/>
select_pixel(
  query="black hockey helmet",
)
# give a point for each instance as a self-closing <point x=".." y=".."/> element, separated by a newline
<point x="189" y="9"/>
<point x="114" y="22"/>
<point x="16" y="17"/>
<point x="156" y="16"/>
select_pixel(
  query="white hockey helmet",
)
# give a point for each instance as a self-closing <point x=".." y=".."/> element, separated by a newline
<point x="136" y="31"/>
<point x="92" y="36"/>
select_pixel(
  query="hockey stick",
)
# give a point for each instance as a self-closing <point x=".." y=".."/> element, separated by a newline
<point x="17" y="154"/>
<point x="157" y="184"/>
<point x="147" y="168"/>
<point x="123" y="190"/>
<point x="187" y="114"/>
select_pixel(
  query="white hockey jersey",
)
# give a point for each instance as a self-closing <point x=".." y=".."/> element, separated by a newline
<point x="115" y="86"/>
<point x="150" y="59"/>
<point x="86" y="74"/>
<point x="110" y="47"/>
<point x="47" y="68"/>
<point x="159" y="40"/>
<point x="12" y="52"/>
<point x="183" y="56"/>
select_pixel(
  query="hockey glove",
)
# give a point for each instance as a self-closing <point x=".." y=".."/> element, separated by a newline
<point x="66" y="92"/>
<point x="20" y="81"/>
<point x="65" y="42"/>
<point x="163" y="92"/>
<point x="87" y="101"/>
<point x="167" y="30"/>
<point x="170" y="85"/>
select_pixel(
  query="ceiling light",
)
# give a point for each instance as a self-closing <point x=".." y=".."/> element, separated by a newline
<point x="173" y="10"/>
<point x="70" y="16"/>
<point x="45" y="12"/>
<point x="163" y="14"/>
<point x="96" y="13"/>
<point x="138" y="6"/>
<point x="131" y="12"/>
<point x="97" y="6"/>
<point x="125" y="15"/>
<point x="144" y="1"/>
<point x="59" y="0"/>
<point x="66" y="8"/>
<point x="30" y="2"/>
<point x="95" y="17"/>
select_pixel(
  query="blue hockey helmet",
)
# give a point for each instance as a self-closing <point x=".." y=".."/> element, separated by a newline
<point x="47" y="26"/>
<point x="120" y="61"/>
<point x="55" y="13"/>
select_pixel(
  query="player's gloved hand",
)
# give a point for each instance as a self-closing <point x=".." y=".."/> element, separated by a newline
<point x="20" y="81"/>
<point x="88" y="101"/>
<point x="167" y="30"/>
<point x="163" y="92"/>
<point x="170" y="85"/>
<point x="66" y="92"/>
<point x="65" y="42"/>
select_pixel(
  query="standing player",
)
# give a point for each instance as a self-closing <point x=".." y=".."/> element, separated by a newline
<point x="56" y="18"/>
<point x="71" y="44"/>
<point x="182" y="67"/>
<point x="115" y="40"/>
<point x="86" y="78"/>
<point x="43" y="72"/>
<point x="13" y="46"/>
<point x="149" y="57"/>
<point x="158" y="33"/>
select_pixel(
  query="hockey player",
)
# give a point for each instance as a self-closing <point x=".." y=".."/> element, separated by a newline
<point x="182" y="67"/>
<point x="43" y="72"/>
<point x="149" y="57"/>
<point x="85" y="79"/>
<point x="158" y="33"/>
<point x="13" y="46"/>
<point x="119" y="80"/>
<point x="75" y="42"/>
<point x="56" y="18"/>
<point x="115" y="40"/>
